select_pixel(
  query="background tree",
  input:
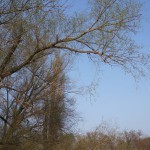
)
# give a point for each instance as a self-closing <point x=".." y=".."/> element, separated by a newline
<point x="58" y="108"/>
<point x="107" y="137"/>
<point x="38" y="101"/>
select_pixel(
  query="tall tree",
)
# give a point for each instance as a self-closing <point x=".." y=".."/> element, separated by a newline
<point x="36" y="105"/>
<point x="57" y="106"/>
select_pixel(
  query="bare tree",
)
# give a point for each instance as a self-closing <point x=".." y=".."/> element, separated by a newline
<point x="36" y="107"/>
<point x="57" y="107"/>
<point x="38" y="29"/>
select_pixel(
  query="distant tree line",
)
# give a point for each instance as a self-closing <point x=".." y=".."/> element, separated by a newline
<point x="104" y="137"/>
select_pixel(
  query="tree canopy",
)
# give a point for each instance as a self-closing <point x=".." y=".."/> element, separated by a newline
<point x="34" y="29"/>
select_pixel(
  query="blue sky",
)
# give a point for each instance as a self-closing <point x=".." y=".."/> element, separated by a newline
<point x="117" y="97"/>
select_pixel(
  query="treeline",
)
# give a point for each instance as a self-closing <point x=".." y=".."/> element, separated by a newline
<point x="104" y="137"/>
<point x="97" y="140"/>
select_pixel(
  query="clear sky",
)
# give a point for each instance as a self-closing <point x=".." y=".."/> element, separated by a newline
<point x="118" y="96"/>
